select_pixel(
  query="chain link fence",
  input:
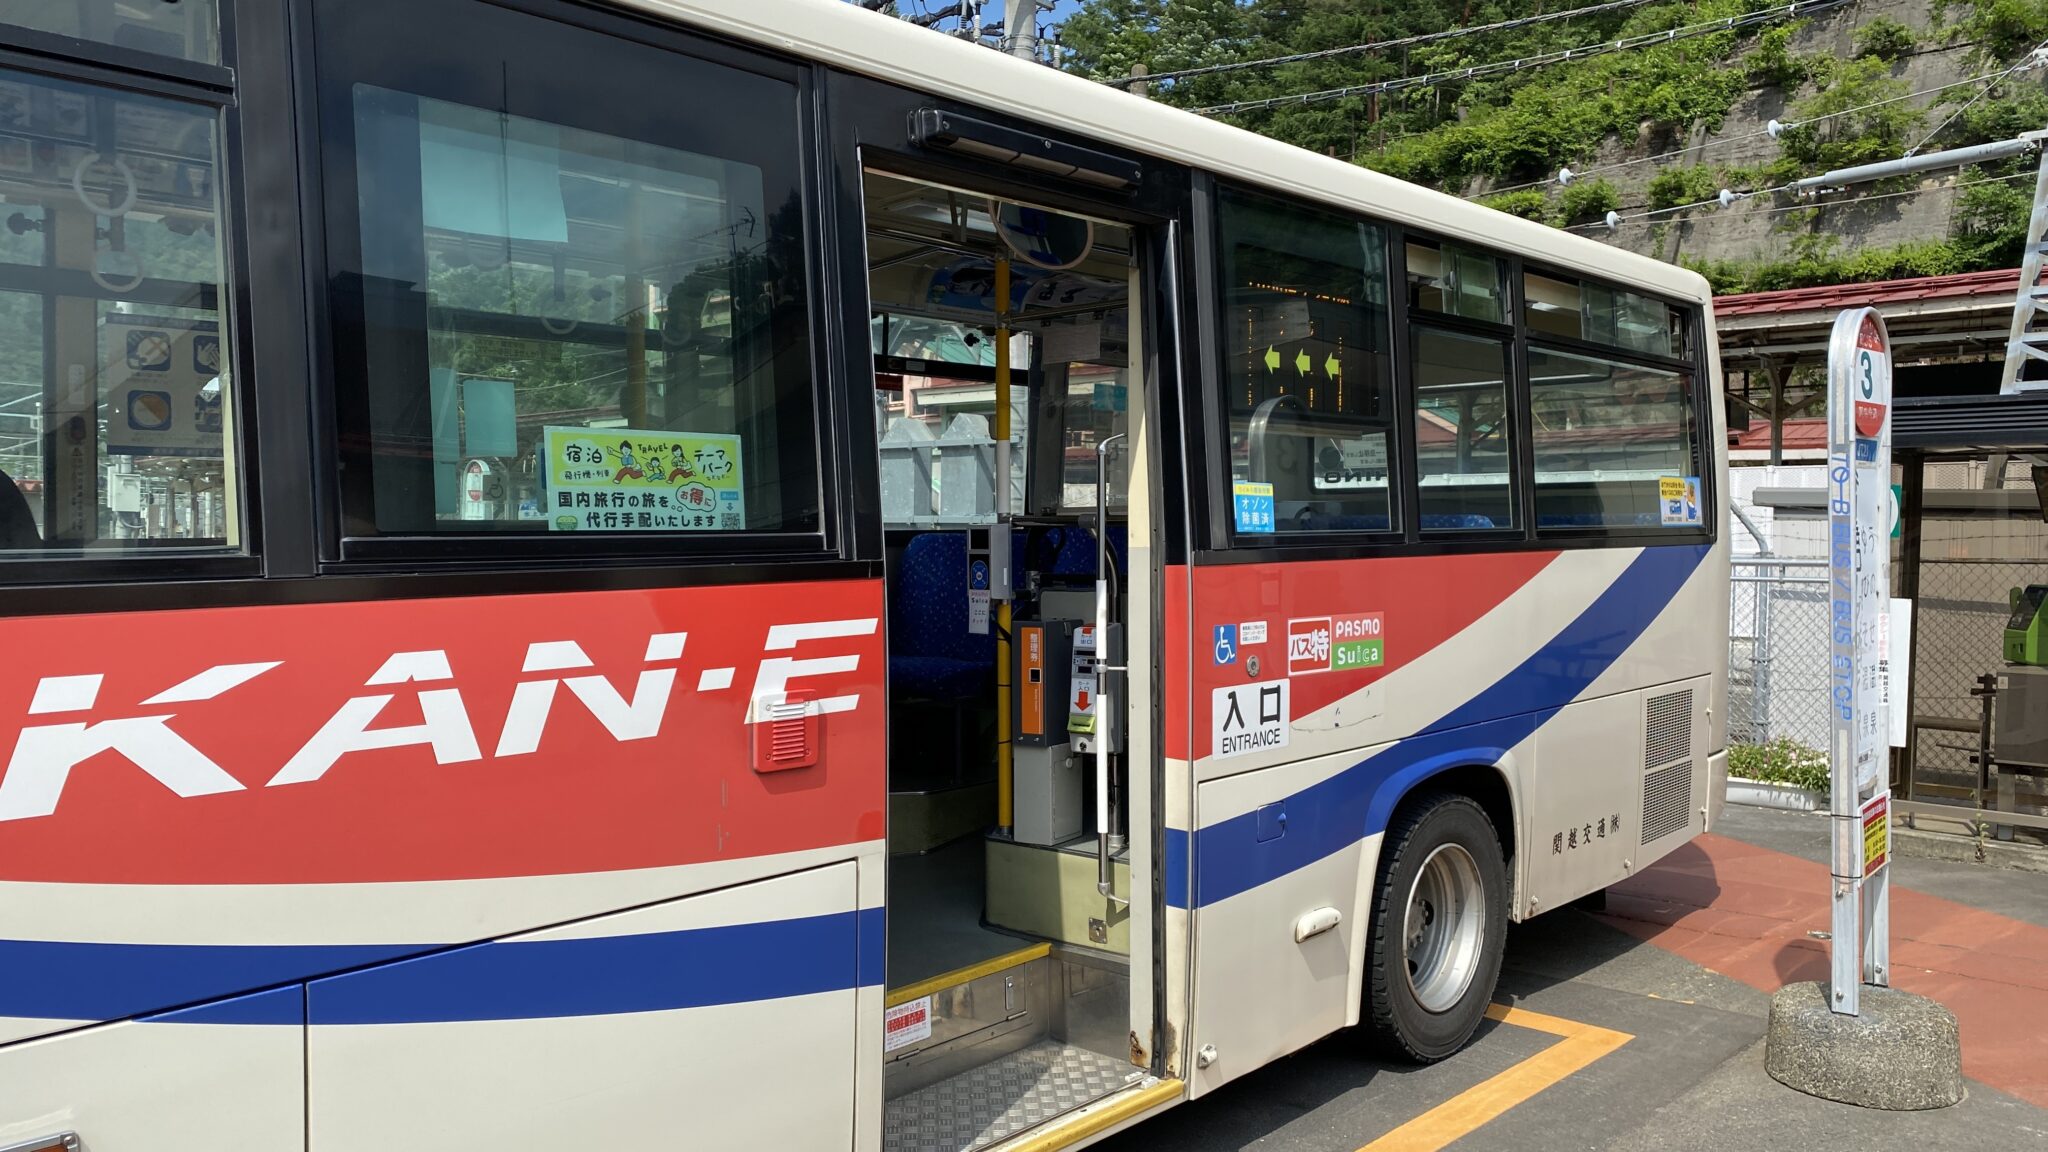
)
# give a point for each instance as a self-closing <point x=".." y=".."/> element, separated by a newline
<point x="1982" y="536"/>
<point x="1778" y="651"/>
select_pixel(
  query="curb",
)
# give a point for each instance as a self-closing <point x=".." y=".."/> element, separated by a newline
<point x="1964" y="850"/>
<point x="1954" y="847"/>
<point x="1782" y="797"/>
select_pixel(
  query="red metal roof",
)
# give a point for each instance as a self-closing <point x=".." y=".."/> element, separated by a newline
<point x="1803" y="432"/>
<point x="1833" y="297"/>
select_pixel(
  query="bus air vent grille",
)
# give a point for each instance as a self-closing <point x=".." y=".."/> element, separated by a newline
<point x="786" y="733"/>
<point x="1667" y="729"/>
<point x="1667" y="800"/>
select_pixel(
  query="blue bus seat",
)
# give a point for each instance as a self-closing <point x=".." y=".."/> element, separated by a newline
<point x="931" y="652"/>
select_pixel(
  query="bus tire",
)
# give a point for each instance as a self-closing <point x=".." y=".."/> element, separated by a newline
<point x="1438" y="928"/>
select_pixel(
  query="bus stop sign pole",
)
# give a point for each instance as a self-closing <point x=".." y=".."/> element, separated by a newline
<point x="1853" y="1038"/>
<point x="1859" y="596"/>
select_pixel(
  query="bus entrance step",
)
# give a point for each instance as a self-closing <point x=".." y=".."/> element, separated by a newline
<point x="995" y="1101"/>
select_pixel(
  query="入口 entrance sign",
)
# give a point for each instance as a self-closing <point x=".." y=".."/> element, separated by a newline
<point x="1859" y="590"/>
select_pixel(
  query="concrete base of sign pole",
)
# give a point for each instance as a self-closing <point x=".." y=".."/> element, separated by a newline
<point x="1902" y="1053"/>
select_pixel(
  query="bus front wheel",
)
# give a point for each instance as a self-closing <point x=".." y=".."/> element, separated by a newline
<point x="1439" y="924"/>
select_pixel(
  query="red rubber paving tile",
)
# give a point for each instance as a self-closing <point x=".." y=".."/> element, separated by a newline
<point x="1746" y="912"/>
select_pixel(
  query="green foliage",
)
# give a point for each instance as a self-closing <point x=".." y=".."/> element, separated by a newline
<point x="1830" y="135"/>
<point x="1584" y="202"/>
<point x="1529" y="204"/>
<point x="1772" y="62"/>
<point x="2004" y="29"/>
<point x="1522" y="126"/>
<point x="1675" y="186"/>
<point x="1782" y="761"/>
<point x="1990" y="224"/>
<point x="1812" y="260"/>
<point x="1885" y="39"/>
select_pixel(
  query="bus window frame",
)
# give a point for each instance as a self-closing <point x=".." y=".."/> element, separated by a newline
<point x="865" y="126"/>
<point x="1508" y="334"/>
<point x="343" y="493"/>
<point x="31" y="577"/>
<point x="1221" y="545"/>
<point x="1699" y="420"/>
<point x="1215" y="413"/>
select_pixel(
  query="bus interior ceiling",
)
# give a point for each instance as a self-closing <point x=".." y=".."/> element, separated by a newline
<point x="1004" y="959"/>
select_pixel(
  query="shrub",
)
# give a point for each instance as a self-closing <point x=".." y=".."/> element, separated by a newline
<point x="1884" y="39"/>
<point x="1991" y="223"/>
<point x="1846" y="123"/>
<point x="1529" y="204"/>
<point x="1782" y="761"/>
<point x="2004" y="29"/>
<point x="1675" y="186"/>
<point x="1772" y="62"/>
<point x="1585" y="203"/>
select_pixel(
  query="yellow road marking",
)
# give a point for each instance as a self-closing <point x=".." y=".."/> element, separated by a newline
<point x="945" y="980"/>
<point x="1463" y="1114"/>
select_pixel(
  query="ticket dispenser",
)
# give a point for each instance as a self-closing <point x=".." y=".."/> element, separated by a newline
<point x="1048" y="777"/>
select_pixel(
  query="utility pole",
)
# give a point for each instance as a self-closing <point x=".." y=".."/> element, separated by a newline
<point x="1020" y="27"/>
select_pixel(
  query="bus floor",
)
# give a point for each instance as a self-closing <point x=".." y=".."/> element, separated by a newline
<point x="935" y="913"/>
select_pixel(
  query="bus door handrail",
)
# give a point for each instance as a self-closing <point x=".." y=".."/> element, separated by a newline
<point x="1105" y="819"/>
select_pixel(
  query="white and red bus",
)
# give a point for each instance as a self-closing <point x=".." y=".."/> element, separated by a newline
<point x="663" y="572"/>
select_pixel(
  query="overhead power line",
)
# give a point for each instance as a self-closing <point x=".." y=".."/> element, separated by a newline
<point x="1381" y="45"/>
<point x="2031" y="60"/>
<point x="1843" y="177"/>
<point x="1503" y="67"/>
<point x="1870" y="199"/>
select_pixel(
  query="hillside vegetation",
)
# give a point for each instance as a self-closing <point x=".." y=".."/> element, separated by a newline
<point x="1501" y="138"/>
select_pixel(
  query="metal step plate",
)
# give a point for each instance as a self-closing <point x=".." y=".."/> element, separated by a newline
<point x="1002" y="1098"/>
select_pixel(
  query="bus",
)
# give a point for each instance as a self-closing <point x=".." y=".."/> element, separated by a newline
<point x="743" y="574"/>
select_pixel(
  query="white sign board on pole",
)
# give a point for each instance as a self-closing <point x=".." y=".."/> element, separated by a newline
<point x="1898" y="661"/>
<point x="1859" y="595"/>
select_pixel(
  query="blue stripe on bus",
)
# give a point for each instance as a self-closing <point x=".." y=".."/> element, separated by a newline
<point x="62" y="980"/>
<point x="278" y="1006"/>
<point x="651" y="972"/>
<point x="1226" y="858"/>
<point x="600" y="976"/>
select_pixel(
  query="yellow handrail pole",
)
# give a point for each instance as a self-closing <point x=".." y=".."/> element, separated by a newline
<point x="1005" y="802"/>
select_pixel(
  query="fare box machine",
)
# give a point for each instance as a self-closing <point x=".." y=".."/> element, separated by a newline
<point x="1058" y="684"/>
<point x="1063" y="666"/>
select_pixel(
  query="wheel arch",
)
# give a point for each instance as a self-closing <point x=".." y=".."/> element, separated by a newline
<point x="1485" y="774"/>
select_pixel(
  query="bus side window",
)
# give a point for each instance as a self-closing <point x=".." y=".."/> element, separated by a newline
<point x="561" y="305"/>
<point x="1613" y="409"/>
<point x="1308" y="371"/>
<point x="1608" y="434"/>
<point x="117" y="415"/>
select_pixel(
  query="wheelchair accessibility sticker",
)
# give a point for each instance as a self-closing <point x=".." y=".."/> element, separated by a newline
<point x="1226" y="644"/>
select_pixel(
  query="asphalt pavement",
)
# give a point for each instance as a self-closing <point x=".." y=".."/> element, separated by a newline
<point x="1685" y="1071"/>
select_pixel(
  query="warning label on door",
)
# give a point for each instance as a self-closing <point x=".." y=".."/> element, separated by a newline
<point x="906" y="1024"/>
<point x="1247" y="718"/>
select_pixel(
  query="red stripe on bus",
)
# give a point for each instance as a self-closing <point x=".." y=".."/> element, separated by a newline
<point x="1421" y="601"/>
<point x="643" y="759"/>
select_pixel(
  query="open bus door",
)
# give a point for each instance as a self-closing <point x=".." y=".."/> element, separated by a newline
<point x="1015" y="359"/>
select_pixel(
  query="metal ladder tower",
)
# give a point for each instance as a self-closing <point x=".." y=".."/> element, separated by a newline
<point x="2026" y="346"/>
